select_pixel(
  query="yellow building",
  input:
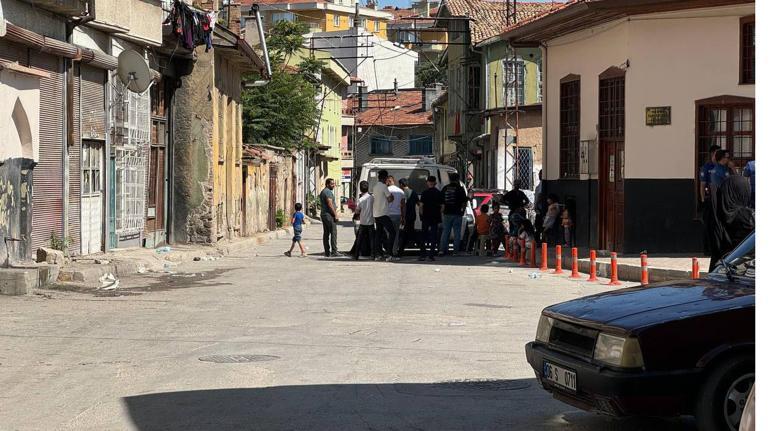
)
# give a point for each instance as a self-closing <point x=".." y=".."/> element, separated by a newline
<point x="321" y="15"/>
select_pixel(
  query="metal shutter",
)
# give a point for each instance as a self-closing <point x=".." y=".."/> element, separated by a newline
<point x="74" y="155"/>
<point x="47" y="208"/>
<point x="92" y="102"/>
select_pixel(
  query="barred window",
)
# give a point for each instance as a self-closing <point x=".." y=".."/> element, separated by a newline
<point x="748" y="66"/>
<point x="420" y="144"/>
<point x="381" y="145"/>
<point x="515" y="75"/>
<point x="569" y="129"/>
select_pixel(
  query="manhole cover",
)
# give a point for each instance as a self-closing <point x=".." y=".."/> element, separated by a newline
<point x="237" y="359"/>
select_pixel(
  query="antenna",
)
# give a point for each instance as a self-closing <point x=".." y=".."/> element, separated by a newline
<point x="133" y="71"/>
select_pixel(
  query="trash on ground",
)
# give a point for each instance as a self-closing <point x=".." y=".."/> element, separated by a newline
<point x="197" y="258"/>
<point x="101" y="261"/>
<point x="109" y="282"/>
<point x="141" y="269"/>
<point x="534" y="275"/>
<point x="437" y="269"/>
<point x="163" y="250"/>
<point x="456" y="323"/>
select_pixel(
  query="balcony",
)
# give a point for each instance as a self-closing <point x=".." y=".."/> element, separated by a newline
<point x="62" y="7"/>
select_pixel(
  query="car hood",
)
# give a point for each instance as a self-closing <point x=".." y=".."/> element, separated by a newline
<point x="638" y="307"/>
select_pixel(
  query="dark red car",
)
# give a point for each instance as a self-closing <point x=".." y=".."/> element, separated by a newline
<point x="670" y="348"/>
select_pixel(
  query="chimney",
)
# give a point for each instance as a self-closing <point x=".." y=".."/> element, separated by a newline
<point x="232" y="10"/>
<point x="363" y="98"/>
<point x="429" y="95"/>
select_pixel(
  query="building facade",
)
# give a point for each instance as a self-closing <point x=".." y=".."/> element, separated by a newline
<point x="322" y="16"/>
<point x="394" y="124"/>
<point x="624" y="137"/>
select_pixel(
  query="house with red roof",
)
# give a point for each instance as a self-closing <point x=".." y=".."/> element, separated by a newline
<point x="393" y="123"/>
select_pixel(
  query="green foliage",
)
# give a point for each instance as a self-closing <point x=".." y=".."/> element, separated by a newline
<point x="427" y="75"/>
<point x="280" y="218"/>
<point x="284" y="39"/>
<point x="313" y="204"/>
<point x="282" y="112"/>
<point x="61" y="244"/>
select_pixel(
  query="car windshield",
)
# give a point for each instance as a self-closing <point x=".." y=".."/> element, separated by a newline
<point x="739" y="262"/>
<point x="418" y="178"/>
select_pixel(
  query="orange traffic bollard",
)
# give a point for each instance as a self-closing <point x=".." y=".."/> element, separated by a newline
<point x="522" y="252"/>
<point x="614" y="270"/>
<point x="645" y="277"/>
<point x="575" y="273"/>
<point x="695" y="268"/>
<point x="592" y="274"/>
<point x="533" y="264"/>
<point x="544" y="256"/>
<point x="558" y="270"/>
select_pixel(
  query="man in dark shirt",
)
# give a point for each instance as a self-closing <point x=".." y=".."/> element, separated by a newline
<point x="430" y="214"/>
<point x="705" y="194"/>
<point x="517" y="202"/>
<point x="329" y="219"/>
<point x="454" y="201"/>
<point x="410" y="214"/>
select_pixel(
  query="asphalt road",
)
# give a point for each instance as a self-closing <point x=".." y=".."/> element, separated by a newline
<point x="276" y="343"/>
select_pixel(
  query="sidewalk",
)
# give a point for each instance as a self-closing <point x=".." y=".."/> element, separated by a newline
<point x="663" y="268"/>
<point x="86" y="272"/>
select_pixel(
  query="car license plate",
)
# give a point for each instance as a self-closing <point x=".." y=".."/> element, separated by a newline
<point x="560" y="376"/>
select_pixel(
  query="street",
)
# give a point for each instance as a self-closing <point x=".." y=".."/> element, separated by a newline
<point x="276" y="343"/>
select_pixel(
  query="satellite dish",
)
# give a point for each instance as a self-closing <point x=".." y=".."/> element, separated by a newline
<point x="133" y="71"/>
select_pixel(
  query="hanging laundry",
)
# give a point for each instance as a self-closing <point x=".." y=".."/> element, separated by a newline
<point x="192" y="27"/>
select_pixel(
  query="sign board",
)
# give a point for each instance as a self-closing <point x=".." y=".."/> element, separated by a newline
<point x="584" y="156"/>
<point x="657" y="115"/>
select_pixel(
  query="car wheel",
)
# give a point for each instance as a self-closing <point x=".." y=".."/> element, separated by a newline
<point x="723" y="396"/>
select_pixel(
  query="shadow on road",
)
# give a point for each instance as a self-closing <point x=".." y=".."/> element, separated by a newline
<point x="467" y="405"/>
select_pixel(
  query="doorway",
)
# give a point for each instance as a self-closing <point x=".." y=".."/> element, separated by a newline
<point x="612" y="120"/>
<point x="92" y="197"/>
<point x="272" y="198"/>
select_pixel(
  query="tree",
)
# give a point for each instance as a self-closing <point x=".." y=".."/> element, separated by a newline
<point x="282" y="112"/>
<point x="428" y="74"/>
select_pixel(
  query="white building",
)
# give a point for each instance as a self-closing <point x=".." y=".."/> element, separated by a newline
<point x="376" y="61"/>
<point x="634" y="96"/>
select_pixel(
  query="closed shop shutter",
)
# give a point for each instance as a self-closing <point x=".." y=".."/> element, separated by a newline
<point x="48" y="177"/>
<point x="92" y="98"/>
<point x="74" y="155"/>
<point x="11" y="51"/>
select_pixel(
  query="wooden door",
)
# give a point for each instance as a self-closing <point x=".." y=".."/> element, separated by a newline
<point x="272" y="198"/>
<point x="612" y="158"/>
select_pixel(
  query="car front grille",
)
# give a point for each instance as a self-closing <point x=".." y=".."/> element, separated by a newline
<point x="573" y="339"/>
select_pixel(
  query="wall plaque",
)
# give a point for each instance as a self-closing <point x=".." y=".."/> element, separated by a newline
<point x="657" y="115"/>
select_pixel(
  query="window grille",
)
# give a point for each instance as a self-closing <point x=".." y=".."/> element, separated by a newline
<point x="515" y="74"/>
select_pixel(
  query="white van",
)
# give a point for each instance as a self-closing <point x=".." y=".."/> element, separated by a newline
<point x="416" y="170"/>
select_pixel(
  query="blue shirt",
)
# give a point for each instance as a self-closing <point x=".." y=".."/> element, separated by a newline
<point x="718" y="174"/>
<point x="750" y="171"/>
<point x="298" y="218"/>
<point x="706" y="171"/>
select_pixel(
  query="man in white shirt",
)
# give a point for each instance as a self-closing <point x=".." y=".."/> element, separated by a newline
<point x="385" y="231"/>
<point x="366" y="217"/>
<point x="396" y="213"/>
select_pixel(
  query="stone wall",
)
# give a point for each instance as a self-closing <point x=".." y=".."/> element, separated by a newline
<point x="193" y="180"/>
<point x="257" y="189"/>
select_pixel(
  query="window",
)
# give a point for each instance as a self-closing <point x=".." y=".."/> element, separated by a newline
<point x="539" y="80"/>
<point x="747" y="50"/>
<point x="515" y="72"/>
<point x="474" y="87"/>
<point x="380" y="145"/>
<point x="282" y="16"/>
<point x="569" y="127"/>
<point x="376" y="26"/>
<point x="729" y="124"/>
<point x="405" y="36"/>
<point x="420" y="145"/>
<point x="363" y="23"/>
<point x="417" y="178"/>
<point x="351" y="22"/>
<point x="91" y="165"/>
<point x="336" y="20"/>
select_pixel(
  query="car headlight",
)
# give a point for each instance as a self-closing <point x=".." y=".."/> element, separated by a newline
<point x="618" y="351"/>
<point x="544" y="329"/>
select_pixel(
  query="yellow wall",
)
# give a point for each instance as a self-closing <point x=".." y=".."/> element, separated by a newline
<point x="320" y="20"/>
<point x="226" y="150"/>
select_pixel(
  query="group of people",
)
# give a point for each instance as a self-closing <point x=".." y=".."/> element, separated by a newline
<point x="387" y="213"/>
<point x="727" y="203"/>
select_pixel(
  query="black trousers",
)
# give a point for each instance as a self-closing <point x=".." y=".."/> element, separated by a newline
<point x="429" y="238"/>
<point x="406" y="236"/>
<point x="386" y="234"/>
<point x="330" y="234"/>
<point x="364" y="242"/>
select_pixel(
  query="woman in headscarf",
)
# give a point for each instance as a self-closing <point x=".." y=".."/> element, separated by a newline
<point x="733" y="217"/>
